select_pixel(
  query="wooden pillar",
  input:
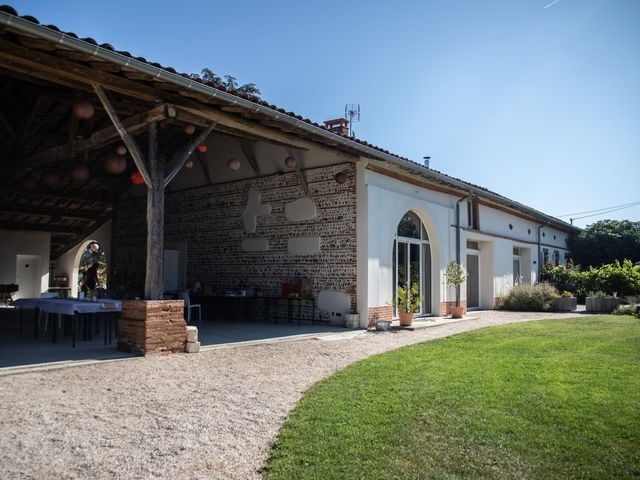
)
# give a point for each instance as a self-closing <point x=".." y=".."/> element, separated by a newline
<point x="154" y="283"/>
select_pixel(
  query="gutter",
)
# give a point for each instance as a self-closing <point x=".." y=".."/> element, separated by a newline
<point x="458" y="246"/>
<point x="32" y="29"/>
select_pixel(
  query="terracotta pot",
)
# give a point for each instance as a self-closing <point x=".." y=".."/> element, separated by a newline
<point x="405" y="318"/>
<point x="457" y="312"/>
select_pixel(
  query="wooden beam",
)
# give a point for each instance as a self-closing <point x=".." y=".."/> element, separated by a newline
<point x="303" y="180"/>
<point x="99" y="139"/>
<point x="128" y="140"/>
<point x="250" y="155"/>
<point x="154" y="283"/>
<point x="57" y="70"/>
<point x="40" y="227"/>
<point x="186" y="153"/>
<point x="8" y="193"/>
<point x="73" y="214"/>
<point x="80" y="235"/>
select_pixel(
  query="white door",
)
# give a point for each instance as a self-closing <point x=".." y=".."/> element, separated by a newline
<point x="171" y="270"/>
<point x="28" y="276"/>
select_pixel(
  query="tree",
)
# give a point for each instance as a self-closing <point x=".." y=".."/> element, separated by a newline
<point x="229" y="82"/>
<point x="606" y="241"/>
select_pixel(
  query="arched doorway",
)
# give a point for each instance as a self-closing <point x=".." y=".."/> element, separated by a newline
<point x="412" y="259"/>
<point x="90" y="253"/>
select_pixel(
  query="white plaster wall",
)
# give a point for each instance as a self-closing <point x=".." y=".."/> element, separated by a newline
<point x="67" y="264"/>
<point x="388" y="201"/>
<point x="13" y="243"/>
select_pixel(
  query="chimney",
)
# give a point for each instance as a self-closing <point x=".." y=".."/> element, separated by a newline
<point x="426" y="161"/>
<point x="338" y="125"/>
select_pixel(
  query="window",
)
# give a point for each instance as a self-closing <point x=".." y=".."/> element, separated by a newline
<point x="517" y="273"/>
<point x="472" y="245"/>
<point x="412" y="258"/>
<point x="545" y="256"/>
<point x="556" y="257"/>
<point x="473" y="214"/>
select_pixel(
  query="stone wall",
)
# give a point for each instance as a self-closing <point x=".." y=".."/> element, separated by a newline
<point x="210" y="221"/>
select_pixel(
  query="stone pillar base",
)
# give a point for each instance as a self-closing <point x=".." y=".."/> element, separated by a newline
<point x="152" y="326"/>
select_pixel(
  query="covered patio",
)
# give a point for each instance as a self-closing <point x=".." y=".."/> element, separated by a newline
<point x="178" y="184"/>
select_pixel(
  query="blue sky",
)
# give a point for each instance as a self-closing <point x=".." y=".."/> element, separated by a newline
<point x="540" y="105"/>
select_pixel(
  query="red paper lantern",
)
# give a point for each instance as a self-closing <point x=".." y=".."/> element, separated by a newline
<point x="202" y="147"/>
<point x="290" y="162"/>
<point x="29" y="183"/>
<point x="121" y="150"/>
<point x="83" y="109"/>
<point x="79" y="173"/>
<point x="233" y="164"/>
<point x="115" y="164"/>
<point x="189" y="163"/>
<point x="51" y="178"/>
<point x="189" y="129"/>
<point x="136" y="178"/>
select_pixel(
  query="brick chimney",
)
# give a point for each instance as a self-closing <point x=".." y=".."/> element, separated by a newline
<point x="338" y="125"/>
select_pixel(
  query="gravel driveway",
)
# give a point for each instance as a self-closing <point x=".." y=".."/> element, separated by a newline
<point x="212" y="415"/>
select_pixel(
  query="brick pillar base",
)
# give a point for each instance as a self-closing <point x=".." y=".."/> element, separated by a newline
<point x="380" y="313"/>
<point x="152" y="326"/>
<point x="445" y="307"/>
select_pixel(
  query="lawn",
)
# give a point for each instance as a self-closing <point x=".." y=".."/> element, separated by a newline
<point x="552" y="399"/>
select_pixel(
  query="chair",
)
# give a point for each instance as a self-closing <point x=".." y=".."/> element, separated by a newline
<point x="188" y="307"/>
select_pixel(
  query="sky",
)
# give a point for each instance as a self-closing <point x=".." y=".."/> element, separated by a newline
<point x="541" y="105"/>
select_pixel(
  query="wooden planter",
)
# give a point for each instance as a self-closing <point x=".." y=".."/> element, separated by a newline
<point x="565" y="304"/>
<point x="152" y="326"/>
<point x="601" y="304"/>
<point x="405" y="318"/>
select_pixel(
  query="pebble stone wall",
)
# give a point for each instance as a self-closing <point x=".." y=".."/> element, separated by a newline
<point x="209" y="220"/>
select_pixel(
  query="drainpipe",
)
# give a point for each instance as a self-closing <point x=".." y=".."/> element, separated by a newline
<point x="540" y="227"/>
<point x="458" y="246"/>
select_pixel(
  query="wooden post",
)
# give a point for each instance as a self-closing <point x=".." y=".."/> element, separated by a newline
<point x="154" y="282"/>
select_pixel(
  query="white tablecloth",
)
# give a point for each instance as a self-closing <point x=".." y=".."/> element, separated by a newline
<point x="69" y="306"/>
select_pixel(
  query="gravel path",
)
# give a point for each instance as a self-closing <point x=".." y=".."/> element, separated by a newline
<point x="212" y="415"/>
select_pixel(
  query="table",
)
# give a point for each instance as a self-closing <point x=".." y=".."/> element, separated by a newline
<point x="247" y="304"/>
<point x="74" y="308"/>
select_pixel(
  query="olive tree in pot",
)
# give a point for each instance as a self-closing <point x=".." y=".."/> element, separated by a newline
<point x="455" y="277"/>
<point x="407" y="302"/>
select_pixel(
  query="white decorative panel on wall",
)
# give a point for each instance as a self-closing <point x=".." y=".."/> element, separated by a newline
<point x="255" y="245"/>
<point x="254" y="209"/>
<point x="303" y="246"/>
<point x="301" y="209"/>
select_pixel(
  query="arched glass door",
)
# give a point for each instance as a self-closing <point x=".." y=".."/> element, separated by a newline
<point x="412" y="259"/>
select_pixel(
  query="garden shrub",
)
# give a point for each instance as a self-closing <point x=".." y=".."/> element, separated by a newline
<point x="623" y="278"/>
<point x="529" y="298"/>
<point x="626" y="310"/>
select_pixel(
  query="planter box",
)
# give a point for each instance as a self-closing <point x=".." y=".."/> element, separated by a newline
<point x="565" y="304"/>
<point x="152" y="326"/>
<point x="383" y="324"/>
<point x="601" y="304"/>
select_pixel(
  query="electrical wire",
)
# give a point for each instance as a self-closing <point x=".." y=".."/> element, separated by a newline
<point x="626" y="205"/>
<point x="608" y="211"/>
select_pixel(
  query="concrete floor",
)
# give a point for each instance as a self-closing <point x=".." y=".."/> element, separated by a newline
<point x="24" y="352"/>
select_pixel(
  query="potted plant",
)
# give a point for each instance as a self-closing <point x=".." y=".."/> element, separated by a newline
<point x="407" y="302"/>
<point x="455" y="277"/>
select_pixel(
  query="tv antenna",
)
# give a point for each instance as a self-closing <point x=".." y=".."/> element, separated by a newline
<point x="352" y="113"/>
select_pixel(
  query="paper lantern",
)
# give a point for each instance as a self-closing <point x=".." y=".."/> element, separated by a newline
<point x="341" y="177"/>
<point x="290" y="162"/>
<point x="189" y="129"/>
<point x="94" y="246"/>
<point x="233" y="164"/>
<point x="51" y="178"/>
<point x="189" y="163"/>
<point x="29" y="183"/>
<point x="83" y="109"/>
<point x="79" y="173"/>
<point x="136" y="178"/>
<point x="202" y="147"/>
<point x="121" y="150"/>
<point x="115" y="164"/>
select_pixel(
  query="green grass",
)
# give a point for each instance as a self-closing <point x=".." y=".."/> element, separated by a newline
<point x="553" y="399"/>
